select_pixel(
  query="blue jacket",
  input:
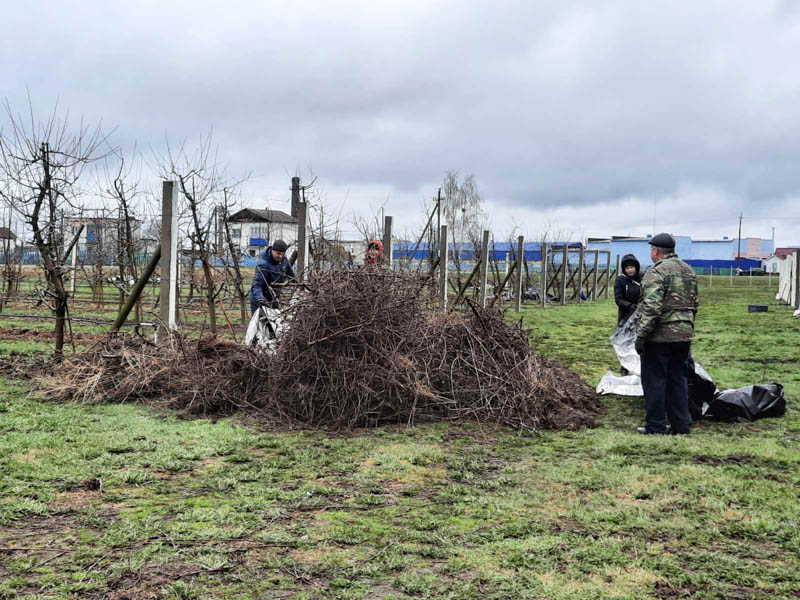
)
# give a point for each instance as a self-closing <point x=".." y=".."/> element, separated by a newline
<point x="268" y="272"/>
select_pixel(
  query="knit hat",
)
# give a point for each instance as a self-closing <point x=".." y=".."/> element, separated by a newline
<point x="280" y="246"/>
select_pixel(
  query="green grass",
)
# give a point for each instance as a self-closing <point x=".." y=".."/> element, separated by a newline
<point x="220" y="509"/>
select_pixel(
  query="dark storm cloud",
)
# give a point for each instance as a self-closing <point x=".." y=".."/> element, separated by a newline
<point x="548" y="103"/>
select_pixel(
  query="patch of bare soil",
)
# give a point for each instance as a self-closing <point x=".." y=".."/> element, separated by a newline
<point x="721" y="461"/>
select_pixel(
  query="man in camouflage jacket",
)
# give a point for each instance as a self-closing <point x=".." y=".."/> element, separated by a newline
<point x="663" y="336"/>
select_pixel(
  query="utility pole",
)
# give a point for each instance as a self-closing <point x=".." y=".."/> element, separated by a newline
<point x="739" y="251"/>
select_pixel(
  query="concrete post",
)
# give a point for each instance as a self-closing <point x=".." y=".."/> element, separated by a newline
<point x="302" y="240"/>
<point x="74" y="271"/>
<point x="388" y="251"/>
<point x="484" y="268"/>
<point x="564" y="274"/>
<point x="169" y="255"/>
<point x="797" y="279"/>
<point x="543" y="298"/>
<point x="295" y="195"/>
<point x="520" y="258"/>
<point x="594" y="282"/>
<point x="442" y="247"/>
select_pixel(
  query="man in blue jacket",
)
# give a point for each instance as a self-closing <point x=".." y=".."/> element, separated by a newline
<point x="272" y="271"/>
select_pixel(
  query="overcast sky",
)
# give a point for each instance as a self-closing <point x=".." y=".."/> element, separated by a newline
<point x="594" y="118"/>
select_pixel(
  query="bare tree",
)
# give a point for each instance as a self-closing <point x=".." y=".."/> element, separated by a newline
<point x="122" y="185"/>
<point x="41" y="163"/>
<point x="202" y="183"/>
<point x="462" y="211"/>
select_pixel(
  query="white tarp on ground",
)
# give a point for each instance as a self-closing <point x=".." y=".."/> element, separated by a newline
<point x="787" y="287"/>
<point x="624" y="343"/>
<point x="265" y="329"/>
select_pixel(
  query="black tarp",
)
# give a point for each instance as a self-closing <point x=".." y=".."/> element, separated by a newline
<point x="747" y="404"/>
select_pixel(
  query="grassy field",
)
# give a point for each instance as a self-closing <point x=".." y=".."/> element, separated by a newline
<point x="118" y="502"/>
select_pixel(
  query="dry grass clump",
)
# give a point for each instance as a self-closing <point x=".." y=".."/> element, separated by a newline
<point x="365" y="347"/>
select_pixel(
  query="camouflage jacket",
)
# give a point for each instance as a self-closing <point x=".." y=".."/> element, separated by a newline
<point x="669" y="302"/>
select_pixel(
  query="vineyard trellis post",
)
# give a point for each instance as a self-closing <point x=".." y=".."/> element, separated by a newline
<point x="564" y="274"/>
<point x="518" y="281"/>
<point x="483" y="279"/>
<point x="302" y="238"/>
<point x="442" y="249"/>
<point x="581" y="268"/>
<point x="608" y="272"/>
<point x="594" y="275"/>
<point x="169" y="255"/>
<point x="543" y="291"/>
<point x="388" y="251"/>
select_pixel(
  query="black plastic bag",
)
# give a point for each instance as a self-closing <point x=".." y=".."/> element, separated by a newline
<point x="702" y="389"/>
<point x="747" y="403"/>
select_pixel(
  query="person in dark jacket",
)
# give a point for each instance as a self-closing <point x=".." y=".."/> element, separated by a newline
<point x="272" y="272"/>
<point x="627" y="288"/>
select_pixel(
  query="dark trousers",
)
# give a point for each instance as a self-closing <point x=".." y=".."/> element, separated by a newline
<point x="665" y="372"/>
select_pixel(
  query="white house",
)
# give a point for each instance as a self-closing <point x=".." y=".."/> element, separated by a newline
<point x="253" y="229"/>
<point x="772" y="264"/>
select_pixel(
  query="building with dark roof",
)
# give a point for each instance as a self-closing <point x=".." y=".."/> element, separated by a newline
<point x="253" y="229"/>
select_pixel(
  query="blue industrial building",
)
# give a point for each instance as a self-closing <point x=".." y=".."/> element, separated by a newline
<point x="701" y="254"/>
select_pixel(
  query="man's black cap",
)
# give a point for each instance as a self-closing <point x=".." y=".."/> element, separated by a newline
<point x="280" y="246"/>
<point x="663" y="240"/>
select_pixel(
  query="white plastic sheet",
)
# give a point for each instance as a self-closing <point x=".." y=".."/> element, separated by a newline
<point x="265" y="329"/>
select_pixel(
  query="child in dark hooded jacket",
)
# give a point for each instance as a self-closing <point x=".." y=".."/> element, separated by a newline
<point x="627" y="288"/>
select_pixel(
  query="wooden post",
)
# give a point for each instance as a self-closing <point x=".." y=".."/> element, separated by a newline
<point x="711" y="278"/>
<point x="564" y="274"/>
<point x="388" y="251"/>
<point x="520" y="258"/>
<point x="594" y="275"/>
<point x="302" y="240"/>
<point x="442" y="249"/>
<point x="617" y="272"/>
<point x="169" y="255"/>
<point x="581" y="267"/>
<point x="543" y="294"/>
<point x="608" y="271"/>
<point x="482" y="280"/>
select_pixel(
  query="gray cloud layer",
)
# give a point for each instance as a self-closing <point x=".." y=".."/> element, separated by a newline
<point x="549" y="103"/>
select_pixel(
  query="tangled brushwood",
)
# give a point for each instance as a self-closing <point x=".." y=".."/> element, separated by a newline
<point x="364" y="347"/>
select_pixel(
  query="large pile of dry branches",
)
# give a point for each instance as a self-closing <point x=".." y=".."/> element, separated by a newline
<point x="364" y="347"/>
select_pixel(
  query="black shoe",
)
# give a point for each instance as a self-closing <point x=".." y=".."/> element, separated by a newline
<point x="624" y="372"/>
<point x="643" y="431"/>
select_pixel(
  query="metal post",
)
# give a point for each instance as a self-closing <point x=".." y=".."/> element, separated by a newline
<point x="484" y="268"/>
<point x="302" y="241"/>
<point x="169" y="254"/>
<point x="439" y="222"/>
<point x="581" y="266"/>
<point x="564" y="274"/>
<point x="388" y="250"/>
<point x="520" y="257"/>
<point x="543" y="290"/>
<point x="594" y="282"/>
<point x="608" y="271"/>
<point x="442" y="248"/>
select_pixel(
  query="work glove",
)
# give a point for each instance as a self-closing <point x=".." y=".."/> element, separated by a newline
<point x="639" y="345"/>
